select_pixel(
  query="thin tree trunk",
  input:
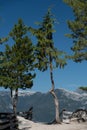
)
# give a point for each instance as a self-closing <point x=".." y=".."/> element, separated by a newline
<point x="11" y="92"/>
<point x="57" y="118"/>
<point x="14" y="98"/>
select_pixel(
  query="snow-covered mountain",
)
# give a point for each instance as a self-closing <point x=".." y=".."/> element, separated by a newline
<point x="43" y="103"/>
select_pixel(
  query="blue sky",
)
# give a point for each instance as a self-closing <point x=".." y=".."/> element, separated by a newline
<point x="31" y="11"/>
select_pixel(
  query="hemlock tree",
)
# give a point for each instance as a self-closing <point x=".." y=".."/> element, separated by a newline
<point x="48" y="57"/>
<point x="19" y="60"/>
<point x="78" y="29"/>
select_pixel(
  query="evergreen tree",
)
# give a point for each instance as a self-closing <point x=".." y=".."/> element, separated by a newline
<point x="78" y="29"/>
<point x="48" y="57"/>
<point x="17" y="69"/>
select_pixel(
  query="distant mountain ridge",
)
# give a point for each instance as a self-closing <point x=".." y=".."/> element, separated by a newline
<point x="43" y="104"/>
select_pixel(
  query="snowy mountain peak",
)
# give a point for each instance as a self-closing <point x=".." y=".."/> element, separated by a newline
<point x="25" y="93"/>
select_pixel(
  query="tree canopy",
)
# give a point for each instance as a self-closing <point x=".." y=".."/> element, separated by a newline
<point x="45" y="49"/>
<point x="78" y="28"/>
<point x="18" y="60"/>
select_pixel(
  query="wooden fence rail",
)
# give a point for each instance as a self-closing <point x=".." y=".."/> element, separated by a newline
<point x="8" y="121"/>
<point x="66" y="116"/>
<point x="78" y="115"/>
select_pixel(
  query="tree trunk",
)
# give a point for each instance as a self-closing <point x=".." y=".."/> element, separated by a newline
<point x="14" y="98"/>
<point x="57" y="118"/>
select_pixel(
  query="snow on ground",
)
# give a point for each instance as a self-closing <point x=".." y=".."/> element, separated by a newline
<point x="29" y="125"/>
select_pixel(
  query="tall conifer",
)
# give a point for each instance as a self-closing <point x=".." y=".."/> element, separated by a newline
<point x="48" y="57"/>
<point x="19" y="62"/>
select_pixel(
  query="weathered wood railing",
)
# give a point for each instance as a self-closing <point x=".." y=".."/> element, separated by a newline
<point x="27" y="114"/>
<point x="78" y="115"/>
<point x="8" y="121"/>
<point x="66" y="116"/>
